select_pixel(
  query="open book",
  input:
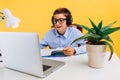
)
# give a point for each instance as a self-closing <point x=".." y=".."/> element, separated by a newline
<point x="58" y="52"/>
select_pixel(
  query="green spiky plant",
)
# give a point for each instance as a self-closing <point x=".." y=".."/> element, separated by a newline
<point x="98" y="35"/>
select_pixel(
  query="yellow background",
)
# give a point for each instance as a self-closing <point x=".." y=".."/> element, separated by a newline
<point x="36" y="15"/>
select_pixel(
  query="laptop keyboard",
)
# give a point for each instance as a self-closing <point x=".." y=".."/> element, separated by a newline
<point x="46" y="67"/>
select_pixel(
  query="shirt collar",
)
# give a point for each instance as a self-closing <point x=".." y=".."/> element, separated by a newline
<point x="65" y="34"/>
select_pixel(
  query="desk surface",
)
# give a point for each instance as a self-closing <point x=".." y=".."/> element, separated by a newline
<point x="76" y="68"/>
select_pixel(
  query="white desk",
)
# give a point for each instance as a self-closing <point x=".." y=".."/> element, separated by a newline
<point x="76" y="68"/>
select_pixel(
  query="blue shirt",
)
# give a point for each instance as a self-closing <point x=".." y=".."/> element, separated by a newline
<point x="54" y="40"/>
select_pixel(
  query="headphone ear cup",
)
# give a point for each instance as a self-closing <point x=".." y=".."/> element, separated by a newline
<point x="52" y="20"/>
<point x="69" y="20"/>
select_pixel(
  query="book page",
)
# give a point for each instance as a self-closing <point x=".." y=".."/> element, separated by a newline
<point x="47" y="52"/>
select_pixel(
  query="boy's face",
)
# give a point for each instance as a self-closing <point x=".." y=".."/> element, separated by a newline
<point x="60" y="23"/>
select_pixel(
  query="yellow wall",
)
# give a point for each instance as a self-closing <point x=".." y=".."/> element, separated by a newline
<point x="36" y="15"/>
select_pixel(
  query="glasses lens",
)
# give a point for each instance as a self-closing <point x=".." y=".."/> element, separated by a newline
<point x="61" y="20"/>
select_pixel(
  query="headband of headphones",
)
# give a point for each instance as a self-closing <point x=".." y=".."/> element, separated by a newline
<point x="67" y="14"/>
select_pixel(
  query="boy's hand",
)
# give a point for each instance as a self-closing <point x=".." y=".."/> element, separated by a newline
<point x="69" y="51"/>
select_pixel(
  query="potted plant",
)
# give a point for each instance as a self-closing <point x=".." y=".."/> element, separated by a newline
<point x="97" y="38"/>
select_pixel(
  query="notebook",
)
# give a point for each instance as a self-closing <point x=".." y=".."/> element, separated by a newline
<point x="21" y="52"/>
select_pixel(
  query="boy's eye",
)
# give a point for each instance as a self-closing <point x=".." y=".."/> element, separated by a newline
<point x="61" y="20"/>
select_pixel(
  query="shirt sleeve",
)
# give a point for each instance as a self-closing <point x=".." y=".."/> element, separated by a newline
<point x="44" y="41"/>
<point x="80" y="50"/>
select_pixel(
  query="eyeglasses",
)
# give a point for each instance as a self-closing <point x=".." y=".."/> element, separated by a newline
<point x="61" y="20"/>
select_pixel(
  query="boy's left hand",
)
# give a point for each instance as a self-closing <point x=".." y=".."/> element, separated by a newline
<point x="69" y="51"/>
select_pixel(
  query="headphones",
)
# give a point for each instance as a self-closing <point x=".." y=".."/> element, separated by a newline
<point x="69" y="18"/>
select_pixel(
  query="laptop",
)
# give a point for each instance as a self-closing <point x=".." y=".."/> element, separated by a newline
<point x="21" y="52"/>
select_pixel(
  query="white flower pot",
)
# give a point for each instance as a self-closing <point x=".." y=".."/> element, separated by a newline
<point x="96" y="54"/>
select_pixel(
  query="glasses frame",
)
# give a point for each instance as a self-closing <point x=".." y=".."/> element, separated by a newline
<point x="60" y="21"/>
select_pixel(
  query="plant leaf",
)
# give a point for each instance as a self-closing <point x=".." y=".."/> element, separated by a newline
<point x="110" y="30"/>
<point x="86" y="28"/>
<point x="80" y="38"/>
<point x="93" y="25"/>
<point x="108" y="26"/>
<point x="89" y="37"/>
<point x="99" y="26"/>
<point x="111" y="49"/>
<point x="107" y="38"/>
